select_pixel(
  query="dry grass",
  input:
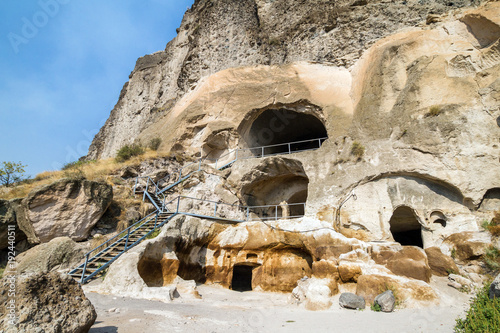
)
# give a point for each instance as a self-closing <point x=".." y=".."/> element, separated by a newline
<point x="95" y="242"/>
<point x="434" y="111"/>
<point x="101" y="170"/>
<point x="493" y="226"/>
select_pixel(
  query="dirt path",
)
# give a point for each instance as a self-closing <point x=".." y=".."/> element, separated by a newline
<point x="223" y="310"/>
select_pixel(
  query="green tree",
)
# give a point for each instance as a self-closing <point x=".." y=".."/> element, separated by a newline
<point x="11" y="172"/>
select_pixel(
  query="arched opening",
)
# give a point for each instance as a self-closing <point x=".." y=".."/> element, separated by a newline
<point x="284" y="129"/>
<point x="438" y="218"/>
<point x="491" y="201"/>
<point x="278" y="190"/>
<point x="242" y="278"/>
<point x="405" y="227"/>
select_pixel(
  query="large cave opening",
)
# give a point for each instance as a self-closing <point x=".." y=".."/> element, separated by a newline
<point x="405" y="227"/>
<point x="284" y="129"/>
<point x="242" y="278"/>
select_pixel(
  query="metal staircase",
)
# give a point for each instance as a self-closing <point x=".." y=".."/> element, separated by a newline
<point x="99" y="258"/>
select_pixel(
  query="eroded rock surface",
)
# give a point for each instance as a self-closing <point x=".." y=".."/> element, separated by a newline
<point x="68" y="208"/>
<point x="50" y="303"/>
<point x="58" y="254"/>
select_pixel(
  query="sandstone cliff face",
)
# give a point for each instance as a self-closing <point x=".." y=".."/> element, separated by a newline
<point x="223" y="34"/>
<point x="421" y="106"/>
<point x="407" y="134"/>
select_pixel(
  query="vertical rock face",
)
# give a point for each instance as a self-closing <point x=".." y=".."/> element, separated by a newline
<point x="8" y="217"/>
<point x="223" y="34"/>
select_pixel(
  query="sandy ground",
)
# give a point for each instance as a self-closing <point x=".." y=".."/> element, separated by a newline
<point x="222" y="310"/>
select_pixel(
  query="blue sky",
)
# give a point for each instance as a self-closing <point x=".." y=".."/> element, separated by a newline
<point x="62" y="66"/>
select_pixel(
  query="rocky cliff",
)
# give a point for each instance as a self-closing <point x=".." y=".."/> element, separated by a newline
<point x="377" y="125"/>
<point x="220" y="34"/>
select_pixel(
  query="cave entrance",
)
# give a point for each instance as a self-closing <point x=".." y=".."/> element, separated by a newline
<point x="278" y="190"/>
<point x="242" y="278"/>
<point x="275" y="128"/>
<point x="405" y="227"/>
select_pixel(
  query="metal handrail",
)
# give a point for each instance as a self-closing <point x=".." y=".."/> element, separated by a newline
<point x="157" y="192"/>
<point x="244" y="209"/>
<point x="85" y="279"/>
<point x="238" y="156"/>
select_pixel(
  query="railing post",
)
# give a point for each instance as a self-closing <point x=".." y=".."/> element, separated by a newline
<point x="180" y="175"/>
<point x="147" y="188"/>
<point x="262" y="155"/>
<point x="215" y="210"/>
<point x="289" y="149"/>
<point x="319" y="141"/>
<point x="126" y="242"/>
<point x="276" y="212"/>
<point x="248" y="213"/>
<point x="178" y="204"/>
<point x="236" y="155"/>
<point x="85" y="267"/>
<point x="217" y="160"/>
<point x="156" y="220"/>
<point x="199" y="165"/>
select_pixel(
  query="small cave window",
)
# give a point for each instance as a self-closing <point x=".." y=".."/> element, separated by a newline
<point x="438" y="218"/>
<point x="242" y="278"/>
<point x="441" y="222"/>
<point x="405" y="227"/>
<point x="275" y="128"/>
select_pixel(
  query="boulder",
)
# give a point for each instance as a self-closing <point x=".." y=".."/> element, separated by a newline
<point x="386" y="301"/>
<point x="59" y="253"/>
<point x="314" y="293"/>
<point x="468" y="245"/>
<point x="68" y="207"/>
<point x="351" y="301"/>
<point x="325" y="269"/>
<point x="411" y="262"/>
<point x="460" y="282"/>
<point x="409" y="290"/>
<point x="495" y="288"/>
<point x="132" y="215"/>
<point x="128" y="172"/>
<point x="8" y="217"/>
<point x="47" y="302"/>
<point x="349" y="272"/>
<point x="440" y="263"/>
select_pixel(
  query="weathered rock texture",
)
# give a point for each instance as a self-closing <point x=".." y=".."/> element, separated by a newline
<point x="441" y="264"/>
<point x="251" y="33"/>
<point x="421" y="104"/>
<point x="386" y="301"/>
<point x="58" y="254"/>
<point x="410" y="112"/>
<point x="314" y="293"/>
<point x="351" y="301"/>
<point x="49" y="303"/>
<point x="8" y="217"/>
<point x="67" y="207"/>
<point x="494" y="291"/>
